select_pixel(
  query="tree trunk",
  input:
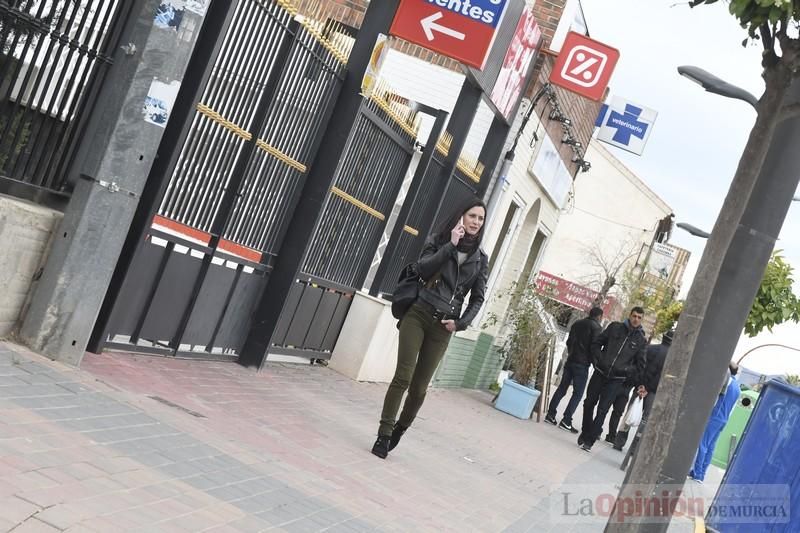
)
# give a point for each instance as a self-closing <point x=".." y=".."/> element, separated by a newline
<point x="663" y="436"/>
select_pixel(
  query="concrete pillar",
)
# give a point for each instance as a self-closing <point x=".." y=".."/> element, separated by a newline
<point x="120" y="148"/>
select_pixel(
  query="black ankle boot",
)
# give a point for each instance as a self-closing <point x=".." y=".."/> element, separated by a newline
<point x="397" y="434"/>
<point x="622" y="438"/>
<point x="381" y="447"/>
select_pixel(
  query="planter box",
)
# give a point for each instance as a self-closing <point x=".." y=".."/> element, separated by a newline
<point x="516" y="400"/>
<point x="367" y="346"/>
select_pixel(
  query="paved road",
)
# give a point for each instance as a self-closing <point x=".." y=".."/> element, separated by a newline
<point x="134" y="443"/>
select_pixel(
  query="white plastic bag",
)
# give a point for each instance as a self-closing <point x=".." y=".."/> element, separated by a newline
<point x="634" y="416"/>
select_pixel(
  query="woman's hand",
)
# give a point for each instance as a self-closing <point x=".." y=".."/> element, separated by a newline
<point x="456" y="233"/>
<point x="449" y="325"/>
<point x="641" y="391"/>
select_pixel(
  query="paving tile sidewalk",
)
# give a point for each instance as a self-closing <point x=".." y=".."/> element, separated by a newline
<point x="135" y="443"/>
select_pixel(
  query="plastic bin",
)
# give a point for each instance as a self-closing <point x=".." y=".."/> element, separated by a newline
<point x="734" y="429"/>
<point x="760" y="491"/>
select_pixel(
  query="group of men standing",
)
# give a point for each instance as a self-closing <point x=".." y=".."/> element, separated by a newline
<point x="619" y="355"/>
<point x="624" y="363"/>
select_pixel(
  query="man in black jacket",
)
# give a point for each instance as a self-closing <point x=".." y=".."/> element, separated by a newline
<point x="656" y="355"/>
<point x="618" y="354"/>
<point x="576" y="368"/>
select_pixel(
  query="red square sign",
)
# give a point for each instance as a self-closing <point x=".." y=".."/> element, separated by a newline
<point x="584" y="66"/>
<point x="461" y="29"/>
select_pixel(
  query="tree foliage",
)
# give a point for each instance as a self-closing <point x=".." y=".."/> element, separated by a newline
<point x="529" y="332"/>
<point x="774" y="23"/>
<point x="792" y="379"/>
<point x="667" y="317"/>
<point x="775" y="302"/>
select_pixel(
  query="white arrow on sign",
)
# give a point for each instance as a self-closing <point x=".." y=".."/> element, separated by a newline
<point x="429" y="25"/>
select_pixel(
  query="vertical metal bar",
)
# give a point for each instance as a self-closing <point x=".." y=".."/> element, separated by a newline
<point x="459" y="126"/>
<point x="491" y="152"/>
<point x="151" y="294"/>
<point x="198" y="71"/>
<point x="225" y="307"/>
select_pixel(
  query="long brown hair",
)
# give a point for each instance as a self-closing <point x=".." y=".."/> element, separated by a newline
<point x="443" y="233"/>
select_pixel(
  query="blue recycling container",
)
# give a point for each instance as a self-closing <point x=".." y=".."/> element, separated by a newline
<point x="760" y="491"/>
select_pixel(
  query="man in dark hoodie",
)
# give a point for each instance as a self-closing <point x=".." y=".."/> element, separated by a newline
<point x="576" y="368"/>
<point x="618" y="354"/>
<point x="656" y="355"/>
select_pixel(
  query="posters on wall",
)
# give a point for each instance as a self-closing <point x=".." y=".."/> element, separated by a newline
<point x="661" y="261"/>
<point x="169" y="13"/>
<point x="158" y="104"/>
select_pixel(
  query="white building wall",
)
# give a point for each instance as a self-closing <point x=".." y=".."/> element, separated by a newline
<point x="539" y="213"/>
<point x="611" y="207"/>
<point x="438" y="87"/>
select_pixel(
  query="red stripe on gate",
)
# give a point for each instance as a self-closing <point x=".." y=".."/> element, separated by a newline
<point x="195" y="234"/>
<point x="239" y="250"/>
<point x="182" y="229"/>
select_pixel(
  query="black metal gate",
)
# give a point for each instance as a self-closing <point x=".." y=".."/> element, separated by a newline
<point x="338" y="258"/>
<point x="204" y="261"/>
<point x="54" y="55"/>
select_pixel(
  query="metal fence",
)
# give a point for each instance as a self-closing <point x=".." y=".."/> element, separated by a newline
<point x="365" y="189"/>
<point x="53" y="58"/>
<point x="284" y="136"/>
<point x="200" y="269"/>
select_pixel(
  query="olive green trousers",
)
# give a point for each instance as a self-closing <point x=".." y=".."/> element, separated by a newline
<point x="423" y="341"/>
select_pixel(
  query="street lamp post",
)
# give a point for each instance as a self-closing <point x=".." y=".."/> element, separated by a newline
<point x="713" y="84"/>
<point x="719" y="300"/>
<point x="697" y="232"/>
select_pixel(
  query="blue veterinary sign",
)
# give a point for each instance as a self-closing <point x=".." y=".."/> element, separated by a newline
<point x="625" y="125"/>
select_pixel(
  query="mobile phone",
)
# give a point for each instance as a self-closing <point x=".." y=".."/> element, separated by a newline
<point x="462" y="222"/>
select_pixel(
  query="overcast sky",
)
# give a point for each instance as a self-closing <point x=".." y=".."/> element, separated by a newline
<point x="698" y="137"/>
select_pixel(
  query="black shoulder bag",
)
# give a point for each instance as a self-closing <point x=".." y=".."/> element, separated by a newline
<point x="406" y="291"/>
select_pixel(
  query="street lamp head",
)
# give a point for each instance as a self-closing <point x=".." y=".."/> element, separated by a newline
<point x="715" y="85"/>
<point x="697" y="232"/>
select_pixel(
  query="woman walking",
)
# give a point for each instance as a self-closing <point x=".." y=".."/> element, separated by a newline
<point x="452" y="265"/>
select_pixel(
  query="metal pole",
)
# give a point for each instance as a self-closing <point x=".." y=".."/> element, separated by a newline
<point x="122" y="148"/>
<point x="377" y="19"/>
<point x="722" y="294"/>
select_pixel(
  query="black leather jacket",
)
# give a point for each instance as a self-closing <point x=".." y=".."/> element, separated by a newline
<point x="620" y="352"/>
<point x="579" y="342"/>
<point x="447" y="291"/>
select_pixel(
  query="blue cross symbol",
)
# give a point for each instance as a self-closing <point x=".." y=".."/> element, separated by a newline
<point x="627" y="125"/>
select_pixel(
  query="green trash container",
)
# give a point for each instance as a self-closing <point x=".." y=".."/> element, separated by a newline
<point x="732" y="432"/>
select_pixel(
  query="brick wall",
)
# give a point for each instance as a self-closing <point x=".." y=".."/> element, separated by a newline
<point x="548" y="14"/>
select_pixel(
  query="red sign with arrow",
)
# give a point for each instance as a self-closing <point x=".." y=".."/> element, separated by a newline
<point x="461" y="29"/>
